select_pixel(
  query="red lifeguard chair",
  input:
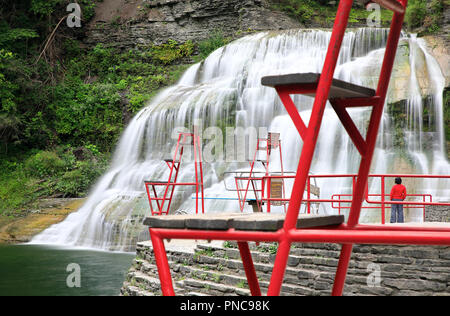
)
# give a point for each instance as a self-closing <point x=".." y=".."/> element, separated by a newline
<point x="163" y="201"/>
<point x="264" y="146"/>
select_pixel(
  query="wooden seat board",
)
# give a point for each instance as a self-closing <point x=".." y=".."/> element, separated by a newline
<point x="339" y="89"/>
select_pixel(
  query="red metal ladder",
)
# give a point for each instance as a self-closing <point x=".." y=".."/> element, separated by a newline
<point x="267" y="145"/>
<point x="174" y="164"/>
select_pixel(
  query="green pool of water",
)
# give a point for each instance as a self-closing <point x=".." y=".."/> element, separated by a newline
<point x="53" y="271"/>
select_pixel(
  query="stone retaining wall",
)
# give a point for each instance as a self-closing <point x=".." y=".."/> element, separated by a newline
<point x="437" y="213"/>
<point x="374" y="270"/>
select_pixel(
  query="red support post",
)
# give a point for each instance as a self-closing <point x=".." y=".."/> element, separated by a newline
<point x="249" y="268"/>
<point x="310" y="141"/>
<point x="366" y="160"/>
<point x="162" y="263"/>
<point x="383" y="205"/>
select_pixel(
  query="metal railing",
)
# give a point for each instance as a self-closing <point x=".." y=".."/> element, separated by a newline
<point x="343" y="201"/>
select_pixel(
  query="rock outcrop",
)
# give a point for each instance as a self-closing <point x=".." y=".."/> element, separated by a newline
<point x="144" y="22"/>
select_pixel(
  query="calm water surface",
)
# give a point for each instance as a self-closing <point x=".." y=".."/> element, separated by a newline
<point x="42" y="270"/>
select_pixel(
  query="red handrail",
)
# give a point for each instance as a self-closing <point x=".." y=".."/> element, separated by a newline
<point x="381" y="204"/>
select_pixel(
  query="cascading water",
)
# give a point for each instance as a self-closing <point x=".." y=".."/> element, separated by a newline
<point x="225" y="90"/>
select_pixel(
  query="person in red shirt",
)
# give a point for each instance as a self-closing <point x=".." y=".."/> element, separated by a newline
<point x="398" y="193"/>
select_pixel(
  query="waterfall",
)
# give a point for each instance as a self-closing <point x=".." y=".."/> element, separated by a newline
<point x="225" y="90"/>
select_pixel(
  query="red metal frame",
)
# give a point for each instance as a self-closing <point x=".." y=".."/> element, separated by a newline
<point x="268" y="145"/>
<point x="346" y="234"/>
<point x="174" y="165"/>
<point x="360" y="234"/>
<point x="337" y="198"/>
<point x="381" y="204"/>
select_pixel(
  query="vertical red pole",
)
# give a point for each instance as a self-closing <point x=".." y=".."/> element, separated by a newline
<point x="341" y="272"/>
<point x="358" y="195"/>
<point x="268" y="152"/>
<point x="201" y="173"/>
<point x="339" y="205"/>
<point x="423" y="199"/>
<point x="323" y="89"/>
<point x="282" y="174"/>
<point x="383" y="205"/>
<point x="163" y="264"/>
<point x="269" y="187"/>
<point x="263" y="189"/>
<point x="309" y="195"/>
<point x="238" y="189"/>
<point x="249" y="268"/>
<point x="310" y="141"/>
<point x="149" y="198"/>
<point x="196" y="171"/>
<point x="279" y="266"/>
<point x="252" y="164"/>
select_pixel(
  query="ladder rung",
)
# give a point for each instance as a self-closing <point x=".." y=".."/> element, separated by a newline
<point x="338" y="90"/>
<point x="159" y="183"/>
<point x="170" y="183"/>
<point x="171" y="160"/>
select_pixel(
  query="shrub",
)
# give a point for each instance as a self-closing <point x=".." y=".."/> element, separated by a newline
<point x="44" y="164"/>
<point x="416" y="13"/>
<point x="76" y="183"/>
<point x="206" y="47"/>
<point x="171" y="51"/>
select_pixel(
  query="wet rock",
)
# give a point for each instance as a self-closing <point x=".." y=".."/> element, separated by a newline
<point x="155" y="22"/>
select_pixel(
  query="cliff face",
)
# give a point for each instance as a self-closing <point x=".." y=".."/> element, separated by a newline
<point x="128" y="23"/>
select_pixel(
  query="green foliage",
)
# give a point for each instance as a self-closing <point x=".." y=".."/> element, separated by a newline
<point x="397" y="113"/>
<point x="215" y="41"/>
<point x="16" y="191"/>
<point x="46" y="123"/>
<point x="415" y="13"/>
<point x="9" y="129"/>
<point x="44" y="164"/>
<point x="10" y="35"/>
<point x="77" y="182"/>
<point x="73" y="100"/>
<point x="322" y="13"/>
<point x="86" y="113"/>
<point x="171" y="51"/>
<point x="44" y="7"/>
<point x="7" y="88"/>
<point x="57" y="173"/>
<point x="88" y="8"/>
<point x="426" y="16"/>
<point x="89" y="103"/>
<point x="307" y="11"/>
